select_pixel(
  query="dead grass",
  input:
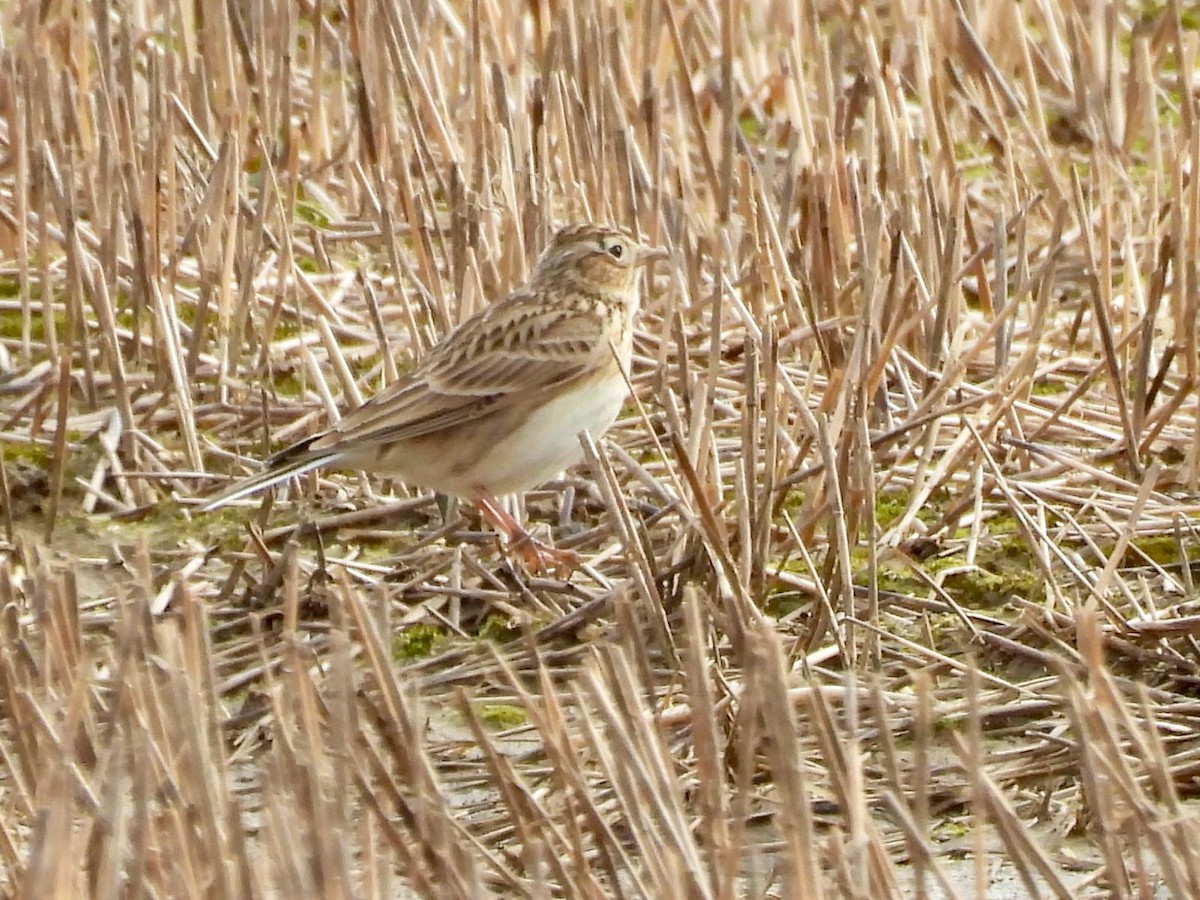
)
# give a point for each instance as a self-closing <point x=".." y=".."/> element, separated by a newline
<point x="889" y="564"/>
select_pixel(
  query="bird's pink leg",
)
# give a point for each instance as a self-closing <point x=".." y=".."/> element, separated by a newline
<point x="536" y="555"/>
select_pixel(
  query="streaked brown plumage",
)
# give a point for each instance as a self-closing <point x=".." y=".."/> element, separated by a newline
<point x="497" y="406"/>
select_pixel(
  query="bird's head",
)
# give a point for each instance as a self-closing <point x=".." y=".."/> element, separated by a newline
<point x="596" y="257"/>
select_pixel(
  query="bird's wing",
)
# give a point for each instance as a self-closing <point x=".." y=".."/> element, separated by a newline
<point x="517" y="348"/>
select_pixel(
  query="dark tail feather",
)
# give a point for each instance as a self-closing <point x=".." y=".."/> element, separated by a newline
<point x="290" y="463"/>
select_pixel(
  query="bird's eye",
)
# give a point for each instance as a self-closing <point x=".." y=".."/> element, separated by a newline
<point x="616" y="250"/>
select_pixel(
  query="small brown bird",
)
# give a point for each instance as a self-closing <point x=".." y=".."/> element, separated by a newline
<point x="498" y="405"/>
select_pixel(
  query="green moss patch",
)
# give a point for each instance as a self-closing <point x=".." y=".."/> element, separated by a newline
<point x="502" y="716"/>
<point x="416" y="642"/>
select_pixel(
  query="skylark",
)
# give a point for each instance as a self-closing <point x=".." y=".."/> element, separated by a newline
<point x="498" y="405"/>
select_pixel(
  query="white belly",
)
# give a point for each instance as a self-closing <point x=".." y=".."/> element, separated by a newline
<point x="548" y="442"/>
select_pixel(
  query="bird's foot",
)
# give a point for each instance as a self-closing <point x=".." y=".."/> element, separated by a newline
<point x="540" y="557"/>
<point x="537" y="556"/>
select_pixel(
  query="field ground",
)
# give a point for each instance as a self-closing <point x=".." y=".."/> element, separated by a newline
<point x="890" y="562"/>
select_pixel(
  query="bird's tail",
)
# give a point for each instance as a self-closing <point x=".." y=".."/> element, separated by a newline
<point x="291" y="463"/>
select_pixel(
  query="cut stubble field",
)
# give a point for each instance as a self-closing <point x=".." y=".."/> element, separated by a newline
<point x="886" y="585"/>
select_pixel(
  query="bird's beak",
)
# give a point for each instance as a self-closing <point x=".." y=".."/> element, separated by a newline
<point x="647" y="255"/>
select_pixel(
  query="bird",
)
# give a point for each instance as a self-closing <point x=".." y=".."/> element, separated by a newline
<point x="498" y="405"/>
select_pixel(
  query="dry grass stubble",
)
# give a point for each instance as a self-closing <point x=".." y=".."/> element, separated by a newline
<point x="888" y="562"/>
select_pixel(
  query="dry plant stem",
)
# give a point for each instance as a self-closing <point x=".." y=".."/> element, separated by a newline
<point x="60" y="444"/>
